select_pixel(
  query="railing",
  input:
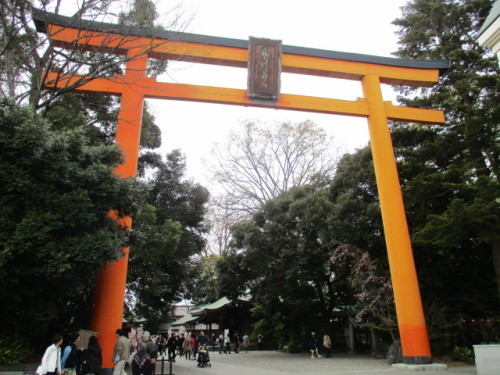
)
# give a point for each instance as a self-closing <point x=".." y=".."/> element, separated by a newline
<point x="163" y="360"/>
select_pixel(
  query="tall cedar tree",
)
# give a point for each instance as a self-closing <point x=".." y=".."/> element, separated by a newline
<point x="450" y="172"/>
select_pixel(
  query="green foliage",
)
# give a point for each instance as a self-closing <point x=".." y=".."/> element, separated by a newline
<point x="450" y="172"/>
<point x="56" y="189"/>
<point x="463" y="354"/>
<point x="292" y="266"/>
<point x="204" y="280"/>
<point x="168" y="233"/>
<point x="293" y="347"/>
<point x="272" y="327"/>
<point x="13" y="350"/>
<point x="143" y="13"/>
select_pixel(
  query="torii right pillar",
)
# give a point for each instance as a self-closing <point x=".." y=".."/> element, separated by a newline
<point x="411" y="320"/>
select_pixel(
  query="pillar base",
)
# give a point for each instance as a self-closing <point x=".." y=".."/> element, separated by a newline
<point x="417" y="360"/>
<point x="420" y="367"/>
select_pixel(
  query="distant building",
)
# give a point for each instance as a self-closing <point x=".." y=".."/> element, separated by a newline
<point x="213" y="318"/>
<point x="183" y="321"/>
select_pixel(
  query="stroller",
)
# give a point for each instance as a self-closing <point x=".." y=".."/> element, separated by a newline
<point x="203" y="357"/>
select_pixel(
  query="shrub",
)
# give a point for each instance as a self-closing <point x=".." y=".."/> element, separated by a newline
<point x="293" y="347"/>
<point x="13" y="350"/>
<point x="463" y="354"/>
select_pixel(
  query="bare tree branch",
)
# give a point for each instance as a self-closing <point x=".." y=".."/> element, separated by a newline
<point x="262" y="161"/>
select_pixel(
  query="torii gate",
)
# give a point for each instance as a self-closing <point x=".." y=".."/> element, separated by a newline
<point x="265" y="59"/>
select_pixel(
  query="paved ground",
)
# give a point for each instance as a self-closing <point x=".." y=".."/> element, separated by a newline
<point x="276" y="363"/>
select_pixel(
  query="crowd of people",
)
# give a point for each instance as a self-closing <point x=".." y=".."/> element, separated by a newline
<point x="142" y="351"/>
<point x="66" y="358"/>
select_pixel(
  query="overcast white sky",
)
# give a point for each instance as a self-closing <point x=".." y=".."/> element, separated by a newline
<point x="359" y="26"/>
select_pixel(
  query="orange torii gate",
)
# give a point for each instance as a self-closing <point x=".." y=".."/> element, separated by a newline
<point x="264" y="59"/>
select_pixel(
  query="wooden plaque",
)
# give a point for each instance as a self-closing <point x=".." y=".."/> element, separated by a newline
<point x="264" y="68"/>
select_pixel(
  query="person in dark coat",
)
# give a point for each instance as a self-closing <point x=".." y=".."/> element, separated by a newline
<point x="172" y="346"/>
<point x="94" y="356"/>
<point x="313" y="345"/>
<point x="141" y="364"/>
<point x="236" y="342"/>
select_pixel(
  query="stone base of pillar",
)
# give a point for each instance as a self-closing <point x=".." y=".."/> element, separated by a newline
<point x="417" y="360"/>
<point x="422" y="367"/>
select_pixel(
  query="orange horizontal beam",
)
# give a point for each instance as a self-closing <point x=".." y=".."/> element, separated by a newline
<point x="207" y="94"/>
<point x="94" y="40"/>
<point x="238" y="57"/>
<point x="392" y="75"/>
<point x="423" y="116"/>
<point x="110" y="86"/>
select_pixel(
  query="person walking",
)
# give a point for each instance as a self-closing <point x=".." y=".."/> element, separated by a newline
<point x="246" y="342"/>
<point x="202" y="339"/>
<point x="151" y="349"/>
<point x="159" y="346"/>
<point x="172" y="346"/>
<point x="236" y="343"/>
<point x="121" y="352"/>
<point x="51" y="360"/>
<point x="220" y="340"/>
<point x="141" y="364"/>
<point x="180" y="342"/>
<point x="327" y="343"/>
<point x="227" y="344"/>
<point x="70" y="357"/>
<point x="313" y="345"/>
<point x="194" y="345"/>
<point x="187" y="347"/>
<point x="94" y="356"/>
<point x="260" y="340"/>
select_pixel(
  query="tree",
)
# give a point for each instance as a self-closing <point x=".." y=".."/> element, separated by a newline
<point x="452" y="173"/>
<point x="27" y="56"/>
<point x="154" y="264"/>
<point x="286" y="261"/>
<point x="56" y="189"/>
<point x="204" y="280"/>
<point x="262" y="162"/>
<point x="170" y="231"/>
<point x="356" y="217"/>
<point x="88" y="123"/>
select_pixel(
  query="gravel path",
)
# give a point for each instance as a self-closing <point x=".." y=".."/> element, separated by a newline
<point x="276" y="363"/>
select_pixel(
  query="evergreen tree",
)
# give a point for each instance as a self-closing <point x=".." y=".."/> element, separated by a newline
<point x="56" y="190"/>
<point x="292" y="266"/>
<point x="169" y="235"/>
<point x="450" y="172"/>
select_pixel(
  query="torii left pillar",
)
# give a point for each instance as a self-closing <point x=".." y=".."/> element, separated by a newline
<point x="111" y="282"/>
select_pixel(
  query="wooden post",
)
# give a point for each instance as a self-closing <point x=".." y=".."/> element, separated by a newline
<point x="411" y="321"/>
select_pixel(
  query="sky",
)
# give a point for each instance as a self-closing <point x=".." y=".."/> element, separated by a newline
<point x="358" y="26"/>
